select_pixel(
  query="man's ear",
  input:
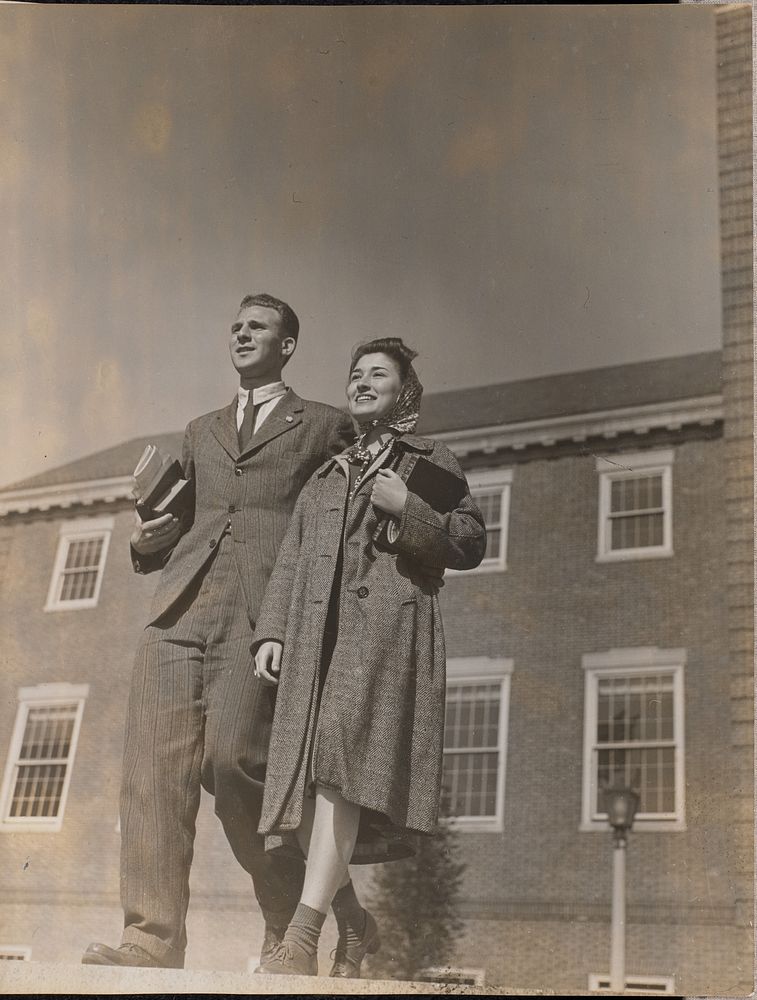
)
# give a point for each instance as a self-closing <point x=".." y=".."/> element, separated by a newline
<point x="288" y="345"/>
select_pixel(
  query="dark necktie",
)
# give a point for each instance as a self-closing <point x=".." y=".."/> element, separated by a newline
<point x="247" y="428"/>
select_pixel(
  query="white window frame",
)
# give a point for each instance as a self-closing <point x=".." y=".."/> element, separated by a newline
<point x="485" y="670"/>
<point x="491" y="482"/>
<point x="79" y="530"/>
<point x="626" y="465"/>
<point x="633" y="985"/>
<point x="633" y="662"/>
<point x="41" y="696"/>
<point x="15" y="953"/>
<point x="451" y="974"/>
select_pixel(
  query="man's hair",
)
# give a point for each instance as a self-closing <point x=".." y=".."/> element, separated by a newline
<point x="393" y="347"/>
<point x="290" y="325"/>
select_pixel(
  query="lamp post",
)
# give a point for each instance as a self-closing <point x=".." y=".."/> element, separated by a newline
<point x="621" y="805"/>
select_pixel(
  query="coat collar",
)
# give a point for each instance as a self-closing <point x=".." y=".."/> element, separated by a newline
<point x="409" y="442"/>
<point x="286" y="415"/>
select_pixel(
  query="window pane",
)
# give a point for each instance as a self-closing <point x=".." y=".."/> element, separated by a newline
<point x="472" y="716"/>
<point x="650" y="771"/>
<point x="470" y="783"/>
<point x="79" y="576"/>
<point x="38" y="790"/>
<point x="43" y="761"/>
<point x="471" y="738"/>
<point x="493" y="540"/>
<point x="490" y="505"/>
<point x="48" y="732"/>
<point x="79" y="585"/>
<point x="637" y="531"/>
<point x="84" y="553"/>
<point x="635" y="494"/>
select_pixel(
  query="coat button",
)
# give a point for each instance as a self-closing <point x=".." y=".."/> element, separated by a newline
<point x="232" y="508"/>
<point x="212" y="543"/>
<point x="362" y="591"/>
<point x="238" y="471"/>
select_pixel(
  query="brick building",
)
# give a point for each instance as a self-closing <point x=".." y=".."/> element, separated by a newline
<point x="607" y="634"/>
<point x="590" y="644"/>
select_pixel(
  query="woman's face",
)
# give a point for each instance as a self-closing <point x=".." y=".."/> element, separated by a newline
<point x="373" y="387"/>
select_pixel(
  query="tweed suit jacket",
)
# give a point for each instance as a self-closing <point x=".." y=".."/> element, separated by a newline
<point x="253" y="492"/>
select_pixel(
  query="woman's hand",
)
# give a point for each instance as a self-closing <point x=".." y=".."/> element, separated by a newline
<point x="389" y="492"/>
<point x="268" y="662"/>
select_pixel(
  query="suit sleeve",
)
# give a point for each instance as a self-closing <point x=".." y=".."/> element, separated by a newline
<point x="456" y="540"/>
<point x="144" y="563"/>
<point x="341" y="434"/>
<point x="272" y="619"/>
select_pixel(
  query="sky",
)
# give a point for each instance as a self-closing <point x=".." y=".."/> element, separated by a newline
<point x="515" y="191"/>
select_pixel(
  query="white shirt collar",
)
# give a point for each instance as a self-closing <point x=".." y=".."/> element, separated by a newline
<point x="263" y="393"/>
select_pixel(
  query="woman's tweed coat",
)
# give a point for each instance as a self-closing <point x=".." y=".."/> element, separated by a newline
<point x="378" y="733"/>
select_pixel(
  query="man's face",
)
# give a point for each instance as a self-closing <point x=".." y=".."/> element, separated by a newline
<point x="257" y="347"/>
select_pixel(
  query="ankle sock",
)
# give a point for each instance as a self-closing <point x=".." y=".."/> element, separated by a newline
<point x="350" y="915"/>
<point x="305" y="928"/>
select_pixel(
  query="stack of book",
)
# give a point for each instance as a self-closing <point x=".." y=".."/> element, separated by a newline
<point x="160" y="487"/>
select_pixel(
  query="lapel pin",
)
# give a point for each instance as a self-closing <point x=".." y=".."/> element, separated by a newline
<point x="289" y="419"/>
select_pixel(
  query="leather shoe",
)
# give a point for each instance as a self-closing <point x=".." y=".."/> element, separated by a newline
<point x="291" y="959"/>
<point x="348" y="958"/>
<point x="271" y="940"/>
<point x="125" y="954"/>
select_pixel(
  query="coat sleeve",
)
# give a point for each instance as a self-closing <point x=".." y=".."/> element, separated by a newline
<point x="456" y="540"/>
<point x="272" y="619"/>
<point x="144" y="563"/>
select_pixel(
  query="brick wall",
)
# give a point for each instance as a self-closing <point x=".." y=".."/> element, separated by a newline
<point x="554" y="603"/>
<point x="734" y="81"/>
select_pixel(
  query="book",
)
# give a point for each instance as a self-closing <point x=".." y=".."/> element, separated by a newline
<point x="160" y="487"/>
<point x="440" y="489"/>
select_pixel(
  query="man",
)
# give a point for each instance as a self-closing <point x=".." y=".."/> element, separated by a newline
<point x="196" y="714"/>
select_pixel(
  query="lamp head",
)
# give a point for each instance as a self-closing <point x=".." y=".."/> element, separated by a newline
<point x="621" y="805"/>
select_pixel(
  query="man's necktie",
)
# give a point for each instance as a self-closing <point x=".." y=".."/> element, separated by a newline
<point x="247" y="428"/>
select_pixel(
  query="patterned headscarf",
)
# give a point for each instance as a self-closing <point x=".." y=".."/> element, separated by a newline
<point x="403" y="416"/>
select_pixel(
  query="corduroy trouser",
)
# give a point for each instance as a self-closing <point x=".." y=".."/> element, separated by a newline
<point x="196" y="716"/>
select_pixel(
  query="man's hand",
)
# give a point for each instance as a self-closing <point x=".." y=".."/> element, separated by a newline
<point x="389" y="492"/>
<point x="152" y="536"/>
<point x="268" y="662"/>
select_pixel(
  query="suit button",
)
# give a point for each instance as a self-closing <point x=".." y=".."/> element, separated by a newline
<point x="238" y="471"/>
<point x="212" y="543"/>
<point x="232" y="508"/>
<point x="362" y="591"/>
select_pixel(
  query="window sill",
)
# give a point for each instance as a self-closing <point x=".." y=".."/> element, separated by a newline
<point x="71" y="605"/>
<point x="495" y="567"/>
<point x="631" y="555"/>
<point x="462" y="825"/>
<point x="640" y="826"/>
<point x="30" y="827"/>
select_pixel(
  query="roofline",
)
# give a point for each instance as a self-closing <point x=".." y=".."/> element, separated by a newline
<point x="63" y="495"/>
<point x="671" y="415"/>
<point x="608" y="424"/>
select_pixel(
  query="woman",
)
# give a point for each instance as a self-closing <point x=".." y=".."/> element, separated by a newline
<point x="350" y="628"/>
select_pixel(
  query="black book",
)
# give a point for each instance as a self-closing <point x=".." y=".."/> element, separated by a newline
<point x="160" y="487"/>
<point x="440" y="489"/>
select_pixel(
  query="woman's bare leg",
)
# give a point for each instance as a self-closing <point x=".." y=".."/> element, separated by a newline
<point x="327" y="836"/>
<point x="329" y="849"/>
<point x="304" y="832"/>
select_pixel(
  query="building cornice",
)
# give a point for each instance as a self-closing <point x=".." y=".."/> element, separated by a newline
<point x="65" y="495"/>
<point x="607" y="424"/>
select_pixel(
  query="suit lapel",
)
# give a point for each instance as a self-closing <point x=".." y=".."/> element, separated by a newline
<point x="286" y="414"/>
<point x="224" y="428"/>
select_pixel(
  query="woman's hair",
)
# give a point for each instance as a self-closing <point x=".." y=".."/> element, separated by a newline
<point x="393" y="347"/>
